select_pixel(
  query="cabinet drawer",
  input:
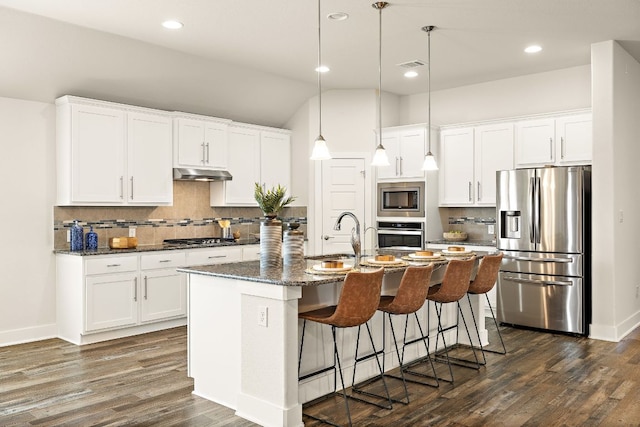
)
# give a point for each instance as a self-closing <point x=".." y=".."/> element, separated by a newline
<point x="251" y="252"/>
<point x="111" y="265"/>
<point x="214" y="256"/>
<point x="165" y="259"/>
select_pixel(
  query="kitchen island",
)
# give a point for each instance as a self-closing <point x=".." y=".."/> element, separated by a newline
<point x="243" y="336"/>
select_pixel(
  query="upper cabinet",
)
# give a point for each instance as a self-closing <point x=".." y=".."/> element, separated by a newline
<point x="470" y="157"/>
<point x="405" y="148"/>
<point x="110" y="154"/>
<point x="563" y="140"/>
<point x="255" y="154"/>
<point x="200" y="143"/>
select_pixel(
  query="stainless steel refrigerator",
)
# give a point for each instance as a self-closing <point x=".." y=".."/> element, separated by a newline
<point x="544" y="230"/>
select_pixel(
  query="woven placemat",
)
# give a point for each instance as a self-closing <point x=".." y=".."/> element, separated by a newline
<point x="395" y="264"/>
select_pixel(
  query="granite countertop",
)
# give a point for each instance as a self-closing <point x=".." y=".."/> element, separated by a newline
<point x="290" y="275"/>
<point x="491" y="243"/>
<point x="153" y="248"/>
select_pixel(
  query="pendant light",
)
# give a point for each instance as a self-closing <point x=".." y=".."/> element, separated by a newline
<point x="380" y="157"/>
<point x="429" y="160"/>
<point x="320" y="149"/>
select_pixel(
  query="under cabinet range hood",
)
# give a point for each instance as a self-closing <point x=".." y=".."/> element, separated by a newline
<point x="189" y="174"/>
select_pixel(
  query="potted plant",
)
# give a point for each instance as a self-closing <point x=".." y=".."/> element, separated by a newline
<point x="271" y="201"/>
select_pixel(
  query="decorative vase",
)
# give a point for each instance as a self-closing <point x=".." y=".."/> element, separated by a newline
<point x="77" y="237"/>
<point x="92" y="240"/>
<point x="293" y="245"/>
<point x="270" y="243"/>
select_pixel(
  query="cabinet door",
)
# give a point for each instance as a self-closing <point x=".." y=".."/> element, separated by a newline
<point x="163" y="295"/>
<point x="534" y="143"/>
<point x="149" y="146"/>
<point x="244" y="164"/>
<point x="493" y="152"/>
<point x="97" y="155"/>
<point x="215" y="140"/>
<point x="574" y="140"/>
<point x="391" y="142"/>
<point x="275" y="160"/>
<point x="111" y="301"/>
<point x="190" y="144"/>
<point x="412" y="146"/>
<point x="456" y="173"/>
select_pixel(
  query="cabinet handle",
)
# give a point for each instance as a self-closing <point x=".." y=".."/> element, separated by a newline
<point x="479" y="192"/>
<point x="203" y="157"/>
<point x="550" y="148"/>
<point x="396" y="166"/>
<point x="470" y="190"/>
<point x="113" y="265"/>
<point x="165" y="260"/>
<point x="122" y="187"/>
<point x="562" y="147"/>
<point x="132" y="188"/>
<point x="401" y="173"/>
<point x="207" y="153"/>
<point x="135" y="289"/>
<point x="217" y="256"/>
<point x="145" y="287"/>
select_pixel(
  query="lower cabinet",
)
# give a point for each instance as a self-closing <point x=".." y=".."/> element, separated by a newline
<point x="111" y="301"/>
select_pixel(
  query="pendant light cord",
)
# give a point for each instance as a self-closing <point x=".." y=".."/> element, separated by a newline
<point x="380" y="76"/>
<point x="429" y="89"/>
<point x="319" y="75"/>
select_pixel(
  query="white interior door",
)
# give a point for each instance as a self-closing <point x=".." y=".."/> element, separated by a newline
<point x="343" y="189"/>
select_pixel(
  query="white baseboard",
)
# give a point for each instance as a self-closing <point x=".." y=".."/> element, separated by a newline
<point x="24" y="335"/>
<point x="615" y="333"/>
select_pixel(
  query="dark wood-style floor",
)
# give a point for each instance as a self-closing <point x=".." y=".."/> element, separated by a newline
<point x="545" y="380"/>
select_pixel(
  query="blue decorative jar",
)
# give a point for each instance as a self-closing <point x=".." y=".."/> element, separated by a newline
<point x="77" y="237"/>
<point x="92" y="240"/>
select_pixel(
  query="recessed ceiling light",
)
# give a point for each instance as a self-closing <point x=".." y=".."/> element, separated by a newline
<point x="337" y="16"/>
<point x="322" y="69"/>
<point x="533" y="49"/>
<point x="411" y="74"/>
<point x="172" y="25"/>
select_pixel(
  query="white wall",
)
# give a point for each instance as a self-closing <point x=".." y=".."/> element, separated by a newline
<point x="27" y="164"/>
<point x="616" y="126"/>
<point x="566" y="89"/>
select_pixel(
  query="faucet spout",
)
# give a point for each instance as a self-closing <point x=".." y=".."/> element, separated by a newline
<point x="355" y="234"/>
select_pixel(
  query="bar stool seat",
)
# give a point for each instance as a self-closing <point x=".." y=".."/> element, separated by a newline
<point x="357" y="303"/>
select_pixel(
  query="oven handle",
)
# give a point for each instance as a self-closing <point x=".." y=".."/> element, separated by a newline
<point x="401" y="232"/>
<point x="538" y="282"/>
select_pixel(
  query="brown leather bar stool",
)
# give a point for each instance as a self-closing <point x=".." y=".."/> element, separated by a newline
<point x="453" y="288"/>
<point x="409" y="298"/>
<point x="357" y="304"/>
<point x="484" y="281"/>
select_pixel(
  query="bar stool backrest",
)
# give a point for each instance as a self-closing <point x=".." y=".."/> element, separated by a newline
<point x="358" y="300"/>
<point x="487" y="274"/>
<point x="455" y="283"/>
<point x="412" y="291"/>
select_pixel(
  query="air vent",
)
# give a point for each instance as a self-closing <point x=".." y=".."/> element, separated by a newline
<point x="412" y="64"/>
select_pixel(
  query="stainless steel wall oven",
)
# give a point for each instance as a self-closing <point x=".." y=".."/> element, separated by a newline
<point x="401" y="199"/>
<point x="400" y="235"/>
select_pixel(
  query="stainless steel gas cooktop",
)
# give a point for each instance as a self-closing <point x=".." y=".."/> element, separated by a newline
<point x="196" y="241"/>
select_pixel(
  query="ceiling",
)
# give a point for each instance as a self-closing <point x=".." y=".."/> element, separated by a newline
<point x="265" y="52"/>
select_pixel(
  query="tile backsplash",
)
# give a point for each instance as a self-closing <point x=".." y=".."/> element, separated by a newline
<point x="473" y="221"/>
<point x="190" y="216"/>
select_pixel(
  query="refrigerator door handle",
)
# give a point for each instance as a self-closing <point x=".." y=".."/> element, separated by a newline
<point x="539" y="282"/>
<point x="537" y="208"/>
<point x="522" y="258"/>
<point x="533" y="219"/>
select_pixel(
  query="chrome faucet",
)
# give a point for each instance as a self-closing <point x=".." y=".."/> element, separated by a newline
<point x="375" y="237"/>
<point x="355" y="234"/>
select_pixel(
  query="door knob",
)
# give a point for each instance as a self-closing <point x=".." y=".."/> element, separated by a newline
<point x="326" y="237"/>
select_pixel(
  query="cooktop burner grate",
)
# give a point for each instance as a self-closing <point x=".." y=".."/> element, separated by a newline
<point x="195" y="241"/>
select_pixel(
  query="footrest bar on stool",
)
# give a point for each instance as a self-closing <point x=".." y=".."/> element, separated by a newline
<point x="436" y="385"/>
<point x="357" y="388"/>
<point x="459" y="362"/>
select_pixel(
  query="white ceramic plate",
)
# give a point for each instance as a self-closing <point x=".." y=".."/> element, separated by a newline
<point x="319" y="267"/>
<point x="448" y="252"/>
<point x="374" y="261"/>
<point x="434" y="256"/>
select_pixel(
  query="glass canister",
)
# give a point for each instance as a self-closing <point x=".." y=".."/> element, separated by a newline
<point x="293" y="246"/>
<point x="77" y="237"/>
<point x="91" y="240"/>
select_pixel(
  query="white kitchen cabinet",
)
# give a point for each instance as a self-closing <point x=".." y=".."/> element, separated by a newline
<point x="111" y="154"/>
<point x="200" y="143"/>
<point x="405" y="148"/>
<point x="218" y="255"/>
<point x="470" y="157"/>
<point x="163" y="292"/>
<point x="561" y="140"/>
<point x="255" y="154"/>
<point x="111" y="301"/>
<point x="250" y="252"/>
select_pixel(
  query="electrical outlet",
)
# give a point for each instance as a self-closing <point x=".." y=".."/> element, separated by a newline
<point x="491" y="229"/>
<point x="132" y="232"/>
<point x="68" y="236"/>
<point x="263" y="315"/>
<point x="621" y="216"/>
<point x="637" y="291"/>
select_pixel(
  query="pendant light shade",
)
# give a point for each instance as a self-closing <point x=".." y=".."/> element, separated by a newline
<point x="429" y="160"/>
<point x="320" y="149"/>
<point x="380" y="157"/>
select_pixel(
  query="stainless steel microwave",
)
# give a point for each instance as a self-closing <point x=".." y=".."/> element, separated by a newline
<point x="401" y="199"/>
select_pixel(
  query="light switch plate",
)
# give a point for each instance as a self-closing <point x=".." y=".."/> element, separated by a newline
<point x="132" y="232"/>
<point x="491" y="229"/>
